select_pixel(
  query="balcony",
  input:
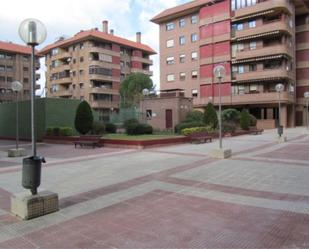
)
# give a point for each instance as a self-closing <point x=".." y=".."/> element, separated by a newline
<point x="63" y="93"/>
<point x="137" y="70"/>
<point x="265" y="28"/>
<point x="62" y="55"/>
<point x="247" y="99"/>
<point x="103" y="51"/>
<point x="65" y="80"/>
<point x="104" y="90"/>
<point x="264" y="51"/>
<point x="103" y="77"/>
<point x="7" y="97"/>
<point x="104" y="64"/>
<point x="262" y="7"/>
<point x="268" y="74"/>
<point x="104" y="104"/>
<point x="143" y="60"/>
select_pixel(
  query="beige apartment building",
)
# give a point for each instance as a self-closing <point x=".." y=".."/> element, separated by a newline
<point x="91" y="66"/>
<point x="15" y="64"/>
<point x="259" y="42"/>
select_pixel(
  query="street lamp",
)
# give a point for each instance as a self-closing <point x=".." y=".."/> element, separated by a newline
<point x="279" y="89"/>
<point x="17" y="87"/>
<point x="145" y="93"/>
<point x="306" y="96"/>
<point x="219" y="72"/>
<point x="33" y="33"/>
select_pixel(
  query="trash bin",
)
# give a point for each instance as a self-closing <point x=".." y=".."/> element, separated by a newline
<point x="280" y="130"/>
<point x="31" y="173"/>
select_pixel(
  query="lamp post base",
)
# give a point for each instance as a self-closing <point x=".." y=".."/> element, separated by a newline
<point x="27" y="206"/>
<point x="17" y="152"/>
<point x="282" y="139"/>
<point x="221" y="153"/>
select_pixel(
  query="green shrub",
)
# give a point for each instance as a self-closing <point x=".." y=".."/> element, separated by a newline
<point x="229" y="127"/>
<point x="139" y="129"/>
<point x="231" y="115"/>
<point x="110" y="128"/>
<point x="189" y="131"/>
<point x="98" y="128"/>
<point x="194" y="115"/>
<point x="130" y="121"/>
<point x="83" y="118"/>
<point x="210" y="116"/>
<point x="65" y="131"/>
<point x="56" y="131"/>
<point x="245" y="119"/>
<point x="184" y="125"/>
<point x="253" y="120"/>
<point x="49" y="131"/>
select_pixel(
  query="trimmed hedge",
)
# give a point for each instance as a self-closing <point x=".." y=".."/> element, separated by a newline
<point x="139" y="129"/>
<point x="194" y="116"/>
<point x="97" y="128"/>
<point x="245" y="119"/>
<point x="129" y="122"/>
<point x="189" y="131"/>
<point x="185" y="125"/>
<point x="59" y="131"/>
<point x="110" y="128"/>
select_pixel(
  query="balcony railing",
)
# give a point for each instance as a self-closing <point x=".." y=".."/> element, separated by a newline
<point x="263" y="75"/>
<point x="104" y="90"/>
<point x="143" y="60"/>
<point x="104" y="104"/>
<point x="63" y="93"/>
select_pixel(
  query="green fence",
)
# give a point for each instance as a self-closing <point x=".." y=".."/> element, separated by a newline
<point x="49" y="112"/>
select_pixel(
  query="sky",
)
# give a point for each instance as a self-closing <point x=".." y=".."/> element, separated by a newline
<point x="67" y="17"/>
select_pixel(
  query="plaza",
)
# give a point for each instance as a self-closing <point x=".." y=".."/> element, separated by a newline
<point x="166" y="197"/>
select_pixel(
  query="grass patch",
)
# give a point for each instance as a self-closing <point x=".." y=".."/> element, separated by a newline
<point x="138" y="137"/>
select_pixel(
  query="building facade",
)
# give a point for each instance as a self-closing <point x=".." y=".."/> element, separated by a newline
<point x="91" y="65"/>
<point x="259" y="42"/>
<point x="15" y="64"/>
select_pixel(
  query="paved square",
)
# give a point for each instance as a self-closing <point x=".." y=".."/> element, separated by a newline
<point x="167" y="197"/>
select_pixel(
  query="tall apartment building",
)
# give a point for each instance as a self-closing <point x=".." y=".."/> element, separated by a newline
<point x="258" y="43"/>
<point x="15" y="64"/>
<point x="91" y="65"/>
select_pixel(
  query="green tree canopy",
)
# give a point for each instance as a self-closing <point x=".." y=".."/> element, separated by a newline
<point x="245" y="119"/>
<point x="210" y="116"/>
<point x="83" y="118"/>
<point x="131" y="88"/>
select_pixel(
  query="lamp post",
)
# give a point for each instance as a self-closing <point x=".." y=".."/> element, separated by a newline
<point x="17" y="87"/>
<point x="33" y="33"/>
<point x="219" y="72"/>
<point x="306" y="96"/>
<point x="279" y="89"/>
<point x="145" y="93"/>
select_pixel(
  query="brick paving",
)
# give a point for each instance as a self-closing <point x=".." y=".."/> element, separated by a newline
<point x="167" y="197"/>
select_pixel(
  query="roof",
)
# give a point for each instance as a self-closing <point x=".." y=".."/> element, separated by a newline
<point x="179" y="10"/>
<point x="88" y="34"/>
<point x="15" y="48"/>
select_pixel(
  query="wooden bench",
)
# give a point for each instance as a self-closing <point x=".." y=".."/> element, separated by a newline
<point x="200" y="137"/>
<point x="88" y="140"/>
<point x="256" y="131"/>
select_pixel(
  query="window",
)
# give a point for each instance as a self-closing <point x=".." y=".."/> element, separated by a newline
<point x="81" y="85"/>
<point x="170" y="77"/>
<point x="105" y="57"/>
<point x="25" y="69"/>
<point x="241" y="89"/>
<point x="9" y="79"/>
<point x="81" y="72"/>
<point x="2" y="56"/>
<point x="54" y="51"/>
<point x="194" y="56"/>
<point x="26" y="58"/>
<point x="238" y="4"/>
<point x="194" y="74"/>
<point x="194" y="37"/>
<point x="234" y="50"/>
<point x="2" y="68"/>
<point x="182" y="23"/>
<point x="252" y="67"/>
<point x="182" y="76"/>
<point x="252" y="45"/>
<point x="2" y="78"/>
<point x="74" y="73"/>
<point x="170" y="43"/>
<point x="74" y="61"/>
<point x="240" y="47"/>
<point x="148" y="114"/>
<point x="194" y="93"/>
<point x="81" y="59"/>
<point x="240" y="26"/>
<point x="241" y="69"/>
<point x="26" y="80"/>
<point x="9" y="57"/>
<point x="253" y="88"/>
<point x="81" y="46"/>
<point x="252" y="24"/>
<point x="170" y="60"/>
<point x="9" y="69"/>
<point x="194" y="19"/>
<point x="182" y="40"/>
<point x="182" y="58"/>
<point x="170" y="26"/>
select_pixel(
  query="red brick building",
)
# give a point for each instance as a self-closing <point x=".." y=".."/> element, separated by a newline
<point x="259" y="43"/>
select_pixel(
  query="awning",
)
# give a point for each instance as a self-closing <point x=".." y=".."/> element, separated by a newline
<point x="253" y="15"/>
<point x="270" y="57"/>
<point x="258" y="35"/>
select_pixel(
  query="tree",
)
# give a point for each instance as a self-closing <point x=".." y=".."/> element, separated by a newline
<point x="210" y="116"/>
<point x="131" y="88"/>
<point x="83" y="118"/>
<point x="194" y="115"/>
<point x="245" y="119"/>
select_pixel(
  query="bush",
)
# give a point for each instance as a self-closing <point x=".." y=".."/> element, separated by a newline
<point x="56" y="131"/>
<point x="139" y="129"/>
<point x="231" y="115"/>
<point x="253" y="120"/>
<point x="229" y="127"/>
<point x="194" y="116"/>
<point x="184" y="125"/>
<point x="97" y="128"/>
<point x="65" y="131"/>
<point x="210" y="116"/>
<point x="189" y="131"/>
<point x="49" y="131"/>
<point x="83" y="118"/>
<point x="110" y="128"/>
<point x="129" y="122"/>
<point x="245" y="119"/>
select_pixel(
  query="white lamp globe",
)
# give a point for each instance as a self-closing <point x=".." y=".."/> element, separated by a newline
<point x="279" y="87"/>
<point x="219" y="71"/>
<point x="145" y="92"/>
<point x="17" y="86"/>
<point x="306" y="95"/>
<point x="32" y="31"/>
